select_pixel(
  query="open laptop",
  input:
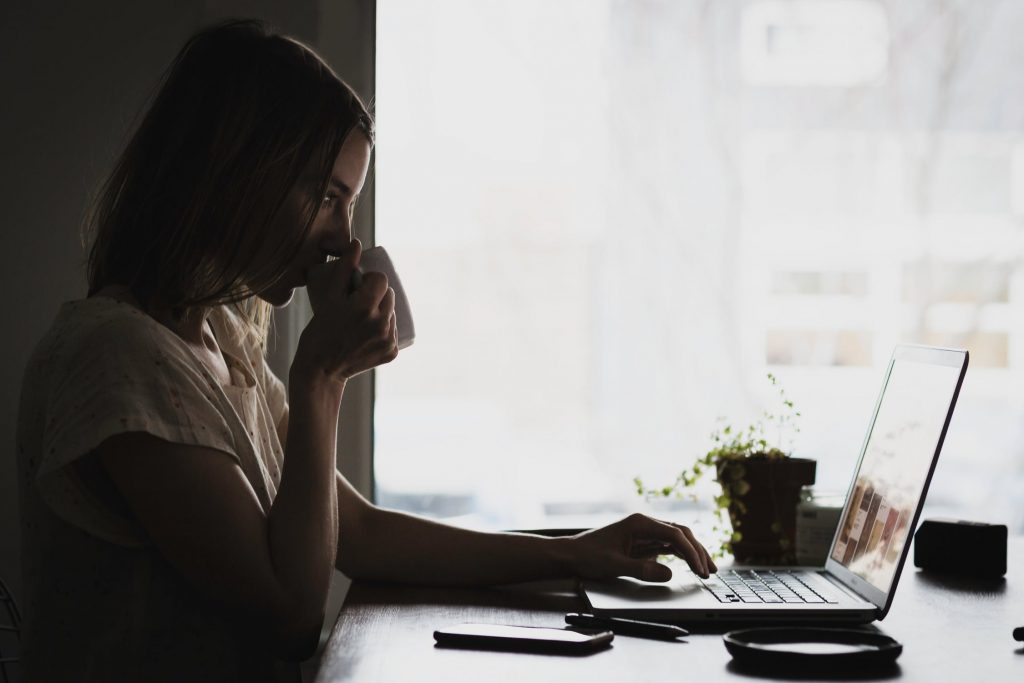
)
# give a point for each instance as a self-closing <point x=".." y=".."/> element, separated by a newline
<point x="871" y="543"/>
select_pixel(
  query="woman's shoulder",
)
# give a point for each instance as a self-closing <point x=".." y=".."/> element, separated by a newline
<point x="106" y="326"/>
<point x="88" y="335"/>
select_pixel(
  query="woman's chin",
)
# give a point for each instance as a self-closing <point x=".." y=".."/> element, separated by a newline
<point x="278" y="298"/>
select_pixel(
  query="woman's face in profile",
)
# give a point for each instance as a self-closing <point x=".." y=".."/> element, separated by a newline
<point x="331" y="232"/>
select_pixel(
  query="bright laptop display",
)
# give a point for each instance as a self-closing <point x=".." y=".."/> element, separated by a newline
<point x="894" y="468"/>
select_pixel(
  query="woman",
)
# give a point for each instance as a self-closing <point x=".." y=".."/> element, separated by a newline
<point x="183" y="515"/>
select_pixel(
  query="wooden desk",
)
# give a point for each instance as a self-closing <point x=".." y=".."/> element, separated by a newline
<point x="951" y="630"/>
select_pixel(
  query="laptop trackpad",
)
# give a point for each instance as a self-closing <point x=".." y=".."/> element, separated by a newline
<point x="627" y="593"/>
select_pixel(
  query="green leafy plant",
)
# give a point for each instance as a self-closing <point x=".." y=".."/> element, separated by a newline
<point x="769" y="438"/>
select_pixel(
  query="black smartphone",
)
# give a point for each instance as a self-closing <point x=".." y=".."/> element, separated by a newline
<point x="523" y="638"/>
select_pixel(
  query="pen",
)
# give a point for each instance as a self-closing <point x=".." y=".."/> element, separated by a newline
<point x="627" y="627"/>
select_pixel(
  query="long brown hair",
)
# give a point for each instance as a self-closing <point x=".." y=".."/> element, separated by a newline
<point x="185" y="218"/>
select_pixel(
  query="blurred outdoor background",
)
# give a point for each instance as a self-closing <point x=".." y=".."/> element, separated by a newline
<point x="613" y="218"/>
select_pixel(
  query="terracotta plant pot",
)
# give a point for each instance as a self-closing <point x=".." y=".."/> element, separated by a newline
<point x="765" y="513"/>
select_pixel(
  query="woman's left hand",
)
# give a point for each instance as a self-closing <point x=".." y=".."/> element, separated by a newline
<point x="630" y="547"/>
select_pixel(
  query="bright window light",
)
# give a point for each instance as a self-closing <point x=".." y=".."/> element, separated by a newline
<point x="840" y="43"/>
<point x="614" y="218"/>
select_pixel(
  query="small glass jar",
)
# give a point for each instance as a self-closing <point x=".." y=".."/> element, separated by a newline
<point x="817" y="516"/>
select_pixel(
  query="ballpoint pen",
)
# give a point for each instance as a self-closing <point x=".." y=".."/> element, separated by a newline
<point x="627" y="627"/>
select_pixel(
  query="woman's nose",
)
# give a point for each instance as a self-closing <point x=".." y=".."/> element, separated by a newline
<point x="338" y="238"/>
<point x="344" y="233"/>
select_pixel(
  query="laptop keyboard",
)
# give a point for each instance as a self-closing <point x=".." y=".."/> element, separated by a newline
<point x="765" y="586"/>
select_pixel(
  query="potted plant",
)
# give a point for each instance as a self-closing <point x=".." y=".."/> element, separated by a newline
<point x="760" y="485"/>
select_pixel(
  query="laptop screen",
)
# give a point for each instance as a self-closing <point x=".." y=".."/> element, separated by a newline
<point x="894" y="468"/>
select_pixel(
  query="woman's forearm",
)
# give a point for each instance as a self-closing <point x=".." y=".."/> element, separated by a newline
<point x="395" y="546"/>
<point x="303" y="521"/>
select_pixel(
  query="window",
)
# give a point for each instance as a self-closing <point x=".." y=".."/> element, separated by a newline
<point x="813" y="42"/>
<point x="613" y="219"/>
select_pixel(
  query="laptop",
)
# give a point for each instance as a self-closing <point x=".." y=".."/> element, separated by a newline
<point x="871" y="543"/>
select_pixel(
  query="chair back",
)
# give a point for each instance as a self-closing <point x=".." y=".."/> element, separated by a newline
<point x="10" y="632"/>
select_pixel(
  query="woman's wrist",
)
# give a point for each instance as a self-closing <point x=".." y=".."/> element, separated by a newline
<point x="306" y="378"/>
<point x="308" y="373"/>
<point x="562" y="552"/>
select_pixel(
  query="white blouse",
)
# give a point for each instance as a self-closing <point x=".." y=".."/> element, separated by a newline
<point x="101" y="603"/>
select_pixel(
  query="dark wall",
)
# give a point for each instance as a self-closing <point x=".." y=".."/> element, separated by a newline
<point x="72" y="81"/>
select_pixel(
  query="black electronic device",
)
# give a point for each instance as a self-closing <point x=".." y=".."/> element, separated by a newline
<point x="522" y="639"/>
<point x="963" y="548"/>
<point x="807" y="650"/>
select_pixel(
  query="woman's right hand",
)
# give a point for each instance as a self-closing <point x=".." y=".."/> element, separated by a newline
<point x="351" y="331"/>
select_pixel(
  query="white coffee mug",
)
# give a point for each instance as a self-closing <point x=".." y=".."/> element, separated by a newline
<point x="375" y="259"/>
